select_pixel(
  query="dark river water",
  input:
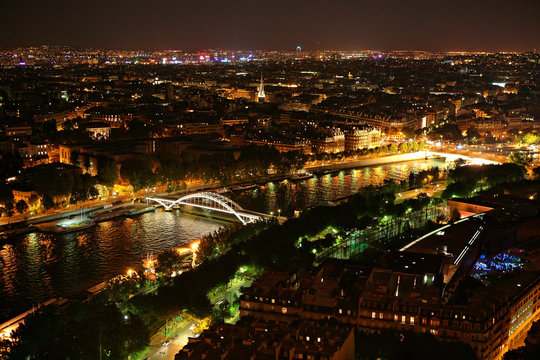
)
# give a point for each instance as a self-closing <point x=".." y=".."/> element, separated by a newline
<point x="37" y="267"/>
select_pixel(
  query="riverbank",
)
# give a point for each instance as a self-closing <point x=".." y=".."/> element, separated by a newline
<point x="37" y="267"/>
<point x="384" y="160"/>
<point x="18" y="225"/>
<point x="318" y="169"/>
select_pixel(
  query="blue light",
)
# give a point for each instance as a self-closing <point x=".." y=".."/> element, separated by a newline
<point x="501" y="263"/>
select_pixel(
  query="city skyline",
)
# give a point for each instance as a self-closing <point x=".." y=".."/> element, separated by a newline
<point x="345" y="25"/>
<point x="293" y="179"/>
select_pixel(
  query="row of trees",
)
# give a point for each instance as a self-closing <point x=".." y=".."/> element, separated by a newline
<point x="66" y="187"/>
<point x="56" y="184"/>
<point x="8" y="206"/>
<point x="529" y="139"/>
<point x="263" y="245"/>
<point x="93" y="330"/>
<point x="252" y="164"/>
<point x="379" y="150"/>
<point x="421" y="178"/>
<point x="405" y="345"/>
<point x="520" y="158"/>
<point x="466" y="180"/>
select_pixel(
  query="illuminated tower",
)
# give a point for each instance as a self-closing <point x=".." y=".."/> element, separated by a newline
<point x="261" y="96"/>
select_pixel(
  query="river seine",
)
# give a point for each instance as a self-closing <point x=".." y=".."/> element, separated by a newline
<point x="37" y="267"/>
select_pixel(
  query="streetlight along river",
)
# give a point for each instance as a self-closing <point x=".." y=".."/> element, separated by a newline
<point x="37" y="267"/>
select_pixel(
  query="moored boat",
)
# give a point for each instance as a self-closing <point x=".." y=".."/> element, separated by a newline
<point x="303" y="176"/>
<point x="135" y="212"/>
<point x="243" y="187"/>
<point x="68" y="228"/>
<point x="222" y="191"/>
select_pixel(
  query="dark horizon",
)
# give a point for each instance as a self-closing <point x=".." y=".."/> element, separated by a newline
<point x="347" y="25"/>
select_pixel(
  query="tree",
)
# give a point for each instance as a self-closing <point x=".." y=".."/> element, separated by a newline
<point x="87" y="162"/>
<point x="459" y="162"/>
<point x="107" y="172"/>
<point x="531" y="138"/>
<point x="47" y="202"/>
<point x="168" y="260"/>
<point x="53" y="183"/>
<point x="459" y="189"/>
<point x="93" y="192"/>
<point x="520" y="158"/>
<point x="139" y="172"/>
<point x="95" y="330"/>
<point x="403" y="147"/>
<point x="21" y="206"/>
<point x="33" y="200"/>
<point x="6" y="195"/>
<point x="49" y="128"/>
<point x="74" y="158"/>
<point x="8" y="209"/>
<point x="527" y="352"/>
<point x="455" y="216"/>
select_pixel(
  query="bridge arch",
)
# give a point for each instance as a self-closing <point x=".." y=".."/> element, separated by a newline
<point x="218" y="202"/>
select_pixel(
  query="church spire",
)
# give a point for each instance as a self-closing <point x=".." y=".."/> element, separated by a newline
<point x="261" y="95"/>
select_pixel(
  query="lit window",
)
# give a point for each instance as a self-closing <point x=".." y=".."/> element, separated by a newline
<point x="396" y="318"/>
<point x="283" y="310"/>
<point x="412" y="320"/>
<point x="373" y="315"/>
<point x="381" y="315"/>
<point x="403" y="319"/>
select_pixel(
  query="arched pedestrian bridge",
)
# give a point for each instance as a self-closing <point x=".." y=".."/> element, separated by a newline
<point x="212" y="201"/>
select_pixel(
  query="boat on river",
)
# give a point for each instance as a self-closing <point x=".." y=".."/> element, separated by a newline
<point x="78" y="226"/>
<point x="222" y="191"/>
<point x="301" y="176"/>
<point x="243" y="187"/>
<point x="135" y="212"/>
<point x="108" y="215"/>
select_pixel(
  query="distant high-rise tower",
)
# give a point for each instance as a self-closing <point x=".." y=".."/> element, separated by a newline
<point x="261" y="96"/>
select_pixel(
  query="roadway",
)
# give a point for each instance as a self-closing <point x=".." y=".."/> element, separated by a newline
<point x="432" y="190"/>
<point x="181" y="331"/>
<point x="492" y="154"/>
<point x="337" y="165"/>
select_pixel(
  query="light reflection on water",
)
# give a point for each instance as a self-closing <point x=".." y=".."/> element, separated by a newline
<point x="289" y="196"/>
<point x="38" y="266"/>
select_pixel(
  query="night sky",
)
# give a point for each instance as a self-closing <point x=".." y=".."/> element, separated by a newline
<point x="491" y="25"/>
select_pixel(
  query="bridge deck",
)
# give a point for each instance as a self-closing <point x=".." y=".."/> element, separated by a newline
<point x="211" y="201"/>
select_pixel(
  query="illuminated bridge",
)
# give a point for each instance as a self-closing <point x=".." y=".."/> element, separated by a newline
<point x="212" y="201"/>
